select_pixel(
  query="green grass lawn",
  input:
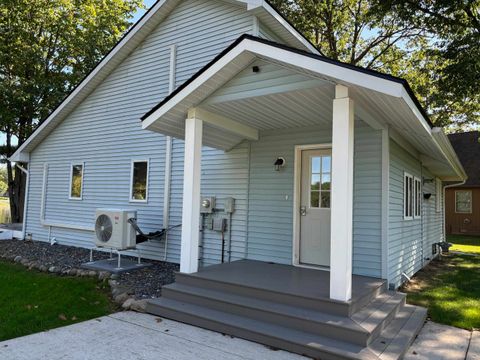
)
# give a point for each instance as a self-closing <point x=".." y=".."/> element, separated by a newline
<point x="450" y="289"/>
<point x="465" y="243"/>
<point x="31" y="301"/>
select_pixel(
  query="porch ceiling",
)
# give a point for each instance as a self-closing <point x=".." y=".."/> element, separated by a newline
<point x="290" y="90"/>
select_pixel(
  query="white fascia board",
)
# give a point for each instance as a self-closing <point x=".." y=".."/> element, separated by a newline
<point x="81" y="87"/>
<point x="271" y="11"/>
<point x="446" y="148"/>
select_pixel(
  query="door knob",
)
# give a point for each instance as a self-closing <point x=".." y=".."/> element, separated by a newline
<point x="303" y="211"/>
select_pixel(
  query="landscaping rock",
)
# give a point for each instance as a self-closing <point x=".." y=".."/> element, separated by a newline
<point x="139" y="305"/>
<point x="120" y="299"/>
<point x="53" y="269"/>
<point x="144" y="283"/>
<point x="126" y="305"/>
<point x="73" y="272"/>
<point x="92" y="273"/>
<point x="103" y="275"/>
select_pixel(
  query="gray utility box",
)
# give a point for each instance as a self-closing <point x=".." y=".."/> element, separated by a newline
<point x="207" y="204"/>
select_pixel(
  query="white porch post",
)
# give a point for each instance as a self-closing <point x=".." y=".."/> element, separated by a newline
<point x="342" y="196"/>
<point x="191" y="196"/>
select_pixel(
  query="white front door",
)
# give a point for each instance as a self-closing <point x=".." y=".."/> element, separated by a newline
<point x="314" y="246"/>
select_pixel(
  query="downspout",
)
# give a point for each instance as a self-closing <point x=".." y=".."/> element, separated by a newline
<point x="25" y="203"/>
<point x="444" y="232"/>
<point x="168" y="154"/>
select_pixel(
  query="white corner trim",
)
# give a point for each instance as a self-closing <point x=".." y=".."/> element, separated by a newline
<point x="131" y="199"/>
<point x="385" y="200"/>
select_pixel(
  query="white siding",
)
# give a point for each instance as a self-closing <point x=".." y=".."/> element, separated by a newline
<point x="105" y="130"/>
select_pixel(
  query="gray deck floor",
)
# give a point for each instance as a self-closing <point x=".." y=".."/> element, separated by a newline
<point x="310" y="283"/>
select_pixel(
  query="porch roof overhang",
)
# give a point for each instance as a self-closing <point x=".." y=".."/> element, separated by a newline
<point x="300" y="96"/>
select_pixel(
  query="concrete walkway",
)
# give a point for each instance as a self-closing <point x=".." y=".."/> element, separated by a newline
<point x="135" y="336"/>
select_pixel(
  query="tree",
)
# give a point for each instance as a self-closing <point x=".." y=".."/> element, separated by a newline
<point x="46" y="48"/>
<point x="352" y="31"/>
<point x="434" y="44"/>
<point x="455" y="26"/>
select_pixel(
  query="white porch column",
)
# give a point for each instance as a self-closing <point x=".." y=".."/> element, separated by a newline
<point x="191" y="196"/>
<point x="342" y="196"/>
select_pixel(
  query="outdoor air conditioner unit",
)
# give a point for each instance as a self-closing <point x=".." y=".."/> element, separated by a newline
<point x="112" y="229"/>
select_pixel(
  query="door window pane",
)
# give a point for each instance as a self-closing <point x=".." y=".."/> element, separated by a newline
<point x="320" y="181"/>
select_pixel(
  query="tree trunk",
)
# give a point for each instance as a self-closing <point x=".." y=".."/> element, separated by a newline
<point x="16" y="186"/>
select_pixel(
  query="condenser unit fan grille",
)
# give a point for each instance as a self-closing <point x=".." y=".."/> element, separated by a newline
<point x="103" y="228"/>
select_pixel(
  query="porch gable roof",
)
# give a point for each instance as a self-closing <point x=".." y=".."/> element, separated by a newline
<point x="388" y="99"/>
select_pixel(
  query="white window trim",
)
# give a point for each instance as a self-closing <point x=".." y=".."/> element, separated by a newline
<point x="72" y="164"/>
<point x="417" y="196"/>
<point x="471" y="202"/>
<point x="405" y="198"/>
<point x="131" y="199"/>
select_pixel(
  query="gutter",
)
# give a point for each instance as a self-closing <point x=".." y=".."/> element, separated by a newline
<point x="447" y="149"/>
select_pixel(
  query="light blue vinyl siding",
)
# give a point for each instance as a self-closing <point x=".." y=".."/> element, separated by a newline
<point x="104" y="131"/>
<point x="410" y="240"/>
<point x="270" y="215"/>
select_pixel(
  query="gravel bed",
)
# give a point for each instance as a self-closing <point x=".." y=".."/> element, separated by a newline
<point x="143" y="283"/>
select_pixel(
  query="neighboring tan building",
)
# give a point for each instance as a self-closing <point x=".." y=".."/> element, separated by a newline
<point x="462" y="203"/>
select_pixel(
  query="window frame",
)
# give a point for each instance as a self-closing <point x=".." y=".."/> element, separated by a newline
<point x="132" y="165"/>
<point x="471" y="202"/>
<point x="417" y="197"/>
<point x="72" y="164"/>
<point x="408" y="197"/>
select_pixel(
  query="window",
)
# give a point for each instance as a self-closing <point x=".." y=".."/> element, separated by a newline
<point x="408" y="196"/>
<point x="320" y="180"/>
<point x="438" y="195"/>
<point x="76" y="181"/>
<point x="463" y="201"/>
<point x="418" y="198"/>
<point x="139" y="181"/>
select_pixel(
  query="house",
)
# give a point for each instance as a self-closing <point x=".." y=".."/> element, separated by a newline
<point x="328" y="165"/>
<point x="462" y="213"/>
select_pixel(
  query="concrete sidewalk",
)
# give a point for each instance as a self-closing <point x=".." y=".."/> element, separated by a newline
<point x="135" y="336"/>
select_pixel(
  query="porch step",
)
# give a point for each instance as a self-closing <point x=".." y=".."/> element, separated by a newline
<point x="273" y="335"/>
<point x="287" y="298"/>
<point x="301" y="318"/>
<point x="391" y="344"/>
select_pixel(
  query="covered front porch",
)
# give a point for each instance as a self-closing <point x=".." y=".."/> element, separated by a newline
<point x="262" y="94"/>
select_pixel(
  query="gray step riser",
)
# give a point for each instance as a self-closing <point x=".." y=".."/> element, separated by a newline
<point x="327" y="306"/>
<point x="388" y="319"/>
<point x="366" y="299"/>
<point x="245" y="334"/>
<point x="323" y="329"/>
